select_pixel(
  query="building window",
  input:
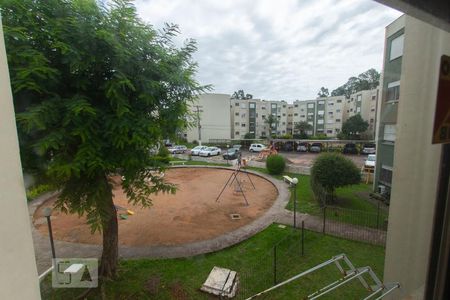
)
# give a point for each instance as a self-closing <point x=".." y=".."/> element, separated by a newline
<point x="371" y="120"/>
<point x="284" y="115"/>
<point x="236" y="104"/>
<point x="358" y="109"/>
<point x="351" y="109"/>
<point x="311" y="105"/>
<point x="296" y="114"/>
<point x="284" y="123"/>
<point x="295" y="105"/>
<point x="320" y="112"/>
<point x="329" y="131"/>
<point x="243" y="105"/>
<point x="274" y="105"/>
<point x="243" y="115"/>
<point x="302" y="116"/>
<point x="358" y="98"/>
<point x="393" y="91"/>
<point x="236" y="123"/>
<point x="243" y="125"/>
<point x="263" y="107"/>
<point x="321" y="102"/>
<point x="338" y="101"/>
<point x="338" y="120"/>
<point x="373" y="97"/>
<point x="330" y="103"/>
<point x="320" y="122"/>
<point x="330" y="112"/>
<point x="386" y="175"/>
<point x="252" y="105"/>
<point x="396" y="47"/>
<point x="389" y="132"/>
<point x="338" y="110"/>
<point x="372" y="109"/>
<point x="263" y="116"/>
<point x="236" y="133"/>
<point x="284" y="105"/>
<point x="236" y="114"/>
<point x="302" y="109"/>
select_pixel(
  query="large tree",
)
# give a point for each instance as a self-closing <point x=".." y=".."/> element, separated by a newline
<point x="367" y="80"/>
<point x="95" y="88"/>
<point x="302" y="127"/>
<point x="354" y="126"/>
<point x="323" y="92"/>
<point x="272" y="121"/>
<point x="240" y="94"/>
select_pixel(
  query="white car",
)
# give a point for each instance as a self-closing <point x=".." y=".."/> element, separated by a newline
<point x="256" y="147"/>
<point x="210" y="151"/>
<point x="177" y="149"/>
<point x="370" y="161"/>
<point x="196" y="150"/>
<point x="368" y="149"/>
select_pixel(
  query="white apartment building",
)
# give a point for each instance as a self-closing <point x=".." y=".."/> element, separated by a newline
<point x="364" y="103"/>
<point x="213" y="113"/>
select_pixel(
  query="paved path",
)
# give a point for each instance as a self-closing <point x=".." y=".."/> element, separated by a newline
<point x="277" y="213"/>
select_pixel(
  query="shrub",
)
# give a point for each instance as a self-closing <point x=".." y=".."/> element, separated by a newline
<point x="330" y="171"/>
<point x="275" y="164"/>
<point x="38" y="190"/>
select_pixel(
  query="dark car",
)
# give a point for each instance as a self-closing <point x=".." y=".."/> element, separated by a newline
<point x="316" y="147"/>
<point x="231" y="153"/>
<point x="350" y="149"/>
<point x="303" y="147"/>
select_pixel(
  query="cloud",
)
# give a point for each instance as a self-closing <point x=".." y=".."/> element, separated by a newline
<point x="283" y="49"/>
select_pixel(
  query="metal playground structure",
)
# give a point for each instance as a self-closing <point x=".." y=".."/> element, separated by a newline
<point x="378" y="290"/>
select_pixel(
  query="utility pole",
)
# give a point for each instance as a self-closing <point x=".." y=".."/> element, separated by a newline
<point x="199" y="126"/>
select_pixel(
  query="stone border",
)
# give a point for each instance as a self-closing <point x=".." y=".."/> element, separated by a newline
<point x="66" y="249"/>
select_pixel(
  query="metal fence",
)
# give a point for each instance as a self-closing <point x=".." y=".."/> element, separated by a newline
<point x="356" y="225"/>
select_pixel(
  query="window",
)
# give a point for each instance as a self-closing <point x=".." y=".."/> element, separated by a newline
<point x="330" y="121"/>
<point x="236" y="123"/>
<point x="243" y="105"/>
<point x="320" y="122"/>
<point x="396" y="47"/>
<point x="393" y="92"/>
<point x="321" y="102"/>
<point x="358" y="109"/>
<point x="252" y="105"/>
<point x="296" y="105"/>
<point x="263" y="107"/>
<point x="236" y="114"/>
<point x="284" y="105"/>
<point x="302" y="109"/>
<point x="389" y="132"/>
<point x="329" y="131"/>
<point x="386" y="174"/>
<point x="310" y="113"/>
<point x="338" y="120"/>
<point x="243" y="115"/>
<point x="302" y="116"/>
<point x="311" y="105"/>
<point x="236" y="133"/>
<point x="372" y="109"/>
<point x="236" y="104"/>
<point x="310" y="123"/>
<point x="373" y="97"/>
<point x="274" y="105"/>
<point x="330" y="112"/>
<point x="358" y="98"/>
<point x="289" y="123"/>
<point x="338" y="110"/>
<point x="284" y="115"/>
<point x="371" y="120"/>
<point x="320" y="112"/>
<point x="351" y="109"/>
<point x="338" y="101"/>
<point x="263" y="116"/>
<point x="243" y="125"/>
<point x="284" y="123"/>
<point x="296" y="114"/>
<point x="330" y="103"/>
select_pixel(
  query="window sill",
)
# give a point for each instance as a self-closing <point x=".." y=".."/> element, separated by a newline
<point x="392" y="102"/>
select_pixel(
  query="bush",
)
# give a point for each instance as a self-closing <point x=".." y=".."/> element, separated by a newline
<point x="275" y="164"/>
<point x="38" y="190"/>
<point x="330" y="171"/>
<point x="286" y="136"/>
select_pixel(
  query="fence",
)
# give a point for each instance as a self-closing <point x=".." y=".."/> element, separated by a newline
<point x="278" y="264"/>
<point x="354" y="224"/>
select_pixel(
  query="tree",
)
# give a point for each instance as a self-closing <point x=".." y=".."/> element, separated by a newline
<point x="330" y="171"/>
<point x="354" y="126"/>
<point x="368" y="80"/>
<point x="94" y="89"/>
<point x="323" y="92"/>
<point x="241" y="95"/>
<point x="303" y="127"/>
<point x="272" y="121"/>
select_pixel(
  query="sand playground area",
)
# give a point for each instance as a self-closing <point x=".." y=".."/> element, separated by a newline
<point x="192" y="214"/>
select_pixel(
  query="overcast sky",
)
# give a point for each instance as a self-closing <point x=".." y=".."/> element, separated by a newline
<point x="277" y="49"/>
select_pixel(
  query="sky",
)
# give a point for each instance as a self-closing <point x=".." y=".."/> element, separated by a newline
<point x="277" y="49"/>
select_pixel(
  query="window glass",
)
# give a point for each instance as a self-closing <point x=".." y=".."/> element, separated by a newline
<point x="393" y="91"/>
<point x="396" y="47"/>
<point x="389" y="132"/>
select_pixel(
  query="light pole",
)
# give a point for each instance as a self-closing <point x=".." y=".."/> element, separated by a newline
<point x="47" y="214"/>
<point x="294" y="185"/>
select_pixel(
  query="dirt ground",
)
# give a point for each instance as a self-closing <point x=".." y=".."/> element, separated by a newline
<point x="191" y="215"/>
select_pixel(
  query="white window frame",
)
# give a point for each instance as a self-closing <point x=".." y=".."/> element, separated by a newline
<point x="396" y="49"/>
<point x="389" y="132"/>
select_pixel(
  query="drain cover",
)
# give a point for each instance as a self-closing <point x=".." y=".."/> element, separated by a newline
<point x="235" y="216"/>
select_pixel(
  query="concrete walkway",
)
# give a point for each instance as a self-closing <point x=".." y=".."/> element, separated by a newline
<point x="68" y="250"/>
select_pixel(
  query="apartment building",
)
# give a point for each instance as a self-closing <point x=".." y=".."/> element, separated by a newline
<point x="212" y="111"/>
<point x="387" y="124"/>
<point x="365" y="104"/>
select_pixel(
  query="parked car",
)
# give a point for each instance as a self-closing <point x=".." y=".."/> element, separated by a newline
<point x="287" y="147"/>
<point x="303" y="147"/>
<point x="350" y="149"/>
<point x="370" y="161"/>
<point x="256" y="147"/>
<point x="210" y="151"/>
<point x="177" y="149"/>
<point x="196" y="150"/>
<point x="231" y="153"/>
<point x="237" y="147"/>
<point x="368" y="149"/>
<point x="316" y="147"/>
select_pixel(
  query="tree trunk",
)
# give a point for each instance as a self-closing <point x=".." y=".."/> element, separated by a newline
<point x="108" y="264"/>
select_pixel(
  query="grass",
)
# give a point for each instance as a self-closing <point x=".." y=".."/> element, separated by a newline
<point x="252" y="259"/>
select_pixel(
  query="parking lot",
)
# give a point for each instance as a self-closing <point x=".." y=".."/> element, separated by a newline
<point x="301" y="159"/>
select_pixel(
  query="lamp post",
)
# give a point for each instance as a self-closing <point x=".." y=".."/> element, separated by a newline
<point x="294" y="185"/>
<point x="47" y="214"/>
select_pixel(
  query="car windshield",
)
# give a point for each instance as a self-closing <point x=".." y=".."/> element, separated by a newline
<point x="231" y="150"/>
<point x="210" y="149"/>
<point x="371" y="158"/>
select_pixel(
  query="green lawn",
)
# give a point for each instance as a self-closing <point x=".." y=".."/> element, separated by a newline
<point x="252" y="259"/>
